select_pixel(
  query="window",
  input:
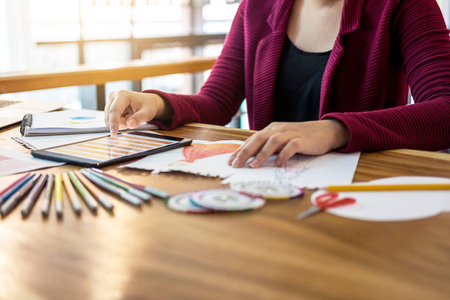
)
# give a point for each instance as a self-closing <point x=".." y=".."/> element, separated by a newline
<point x="63" y="34"/>
<point x="445" y="7"/>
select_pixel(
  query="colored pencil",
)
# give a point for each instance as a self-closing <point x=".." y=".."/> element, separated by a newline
<point x="87" y="197"/>
<point x="58" y="196"/>
<point x="12" y="184"/>
<point x="73" y="197"/>
<point x="155" y="192"/>
<point x="111" y="188"/>
<point x="124" y="186"/>
<point x="29" y="202"/>
<point x="45" y="208"/>
<point x="17" y="196"/>
<point x="13" y="188"/>
<point x="101" y="197"/>
<point x="151" y="190"/>
<point x="388" y="187"/>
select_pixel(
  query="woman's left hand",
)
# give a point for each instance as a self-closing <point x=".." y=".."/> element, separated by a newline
<point x="288" y="138"/>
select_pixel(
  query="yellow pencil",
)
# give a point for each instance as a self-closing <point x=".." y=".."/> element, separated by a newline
<point x="58" y="196"/>
<point x="388" y="187"/>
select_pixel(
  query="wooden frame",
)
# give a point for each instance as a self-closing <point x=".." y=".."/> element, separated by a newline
<point x="99" y="76"/>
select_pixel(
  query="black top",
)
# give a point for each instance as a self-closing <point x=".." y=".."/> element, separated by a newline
<point x="297" y="89"/>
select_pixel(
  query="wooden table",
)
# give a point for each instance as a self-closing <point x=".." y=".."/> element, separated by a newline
<point x="154" y="253"/>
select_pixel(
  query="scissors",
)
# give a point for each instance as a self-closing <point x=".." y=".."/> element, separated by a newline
<point x="327" y="200"/>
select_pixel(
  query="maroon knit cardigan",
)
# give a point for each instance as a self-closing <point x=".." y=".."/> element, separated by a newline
<point x="384" y="47"/>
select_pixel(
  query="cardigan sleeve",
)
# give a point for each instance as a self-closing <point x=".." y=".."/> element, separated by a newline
<point x="424" y="45"/>
<point x="222" y="94"/>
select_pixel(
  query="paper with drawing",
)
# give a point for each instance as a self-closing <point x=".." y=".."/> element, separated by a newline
<point x="210" y="159"/>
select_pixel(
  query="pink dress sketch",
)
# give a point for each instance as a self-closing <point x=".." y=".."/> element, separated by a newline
<point x="197" y="151"/>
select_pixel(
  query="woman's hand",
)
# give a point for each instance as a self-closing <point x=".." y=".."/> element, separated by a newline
<point x="287" y="139"/>
<point x="126" y="109"/>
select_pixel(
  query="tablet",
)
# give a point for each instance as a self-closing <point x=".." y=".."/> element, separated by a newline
<point x="105" y="151"/>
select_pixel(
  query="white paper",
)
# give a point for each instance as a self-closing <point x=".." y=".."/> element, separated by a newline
<point x="12" y="162"/>
<point x="394" y="205"/>
<point x="71" y="121"/>
<point x="301" y="171"/>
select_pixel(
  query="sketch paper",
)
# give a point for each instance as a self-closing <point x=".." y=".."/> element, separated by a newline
<point x="303" y="170"/>
<point x="201" y="158"/>
<point x="210" y="159"/>
<point x="395" y="205"/>
<point x="12" y="162"/>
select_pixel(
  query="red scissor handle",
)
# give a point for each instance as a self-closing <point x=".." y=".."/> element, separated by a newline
<point x="329" y="200"/>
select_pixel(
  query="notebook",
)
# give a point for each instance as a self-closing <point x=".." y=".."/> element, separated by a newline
<point x="68" y="122"/>
<point x="12" y="111"/>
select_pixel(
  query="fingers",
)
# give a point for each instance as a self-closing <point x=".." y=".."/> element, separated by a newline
<point x="261" y="146"/>
<point x="114" y="109"/>
<point x="139" y="117"/>
<point x="272" y="145"/>
<point x="293" y="147"/>
<point x="232" y="159"/>
<point x="126" y="109"/>
<point x="116" y="114"/>
<point x="110" y="99"/>
<point x="287" y="139"/>
<point x="236" y="157"/>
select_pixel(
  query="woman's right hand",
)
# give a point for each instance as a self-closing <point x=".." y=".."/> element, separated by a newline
<point x="126" y="109"/>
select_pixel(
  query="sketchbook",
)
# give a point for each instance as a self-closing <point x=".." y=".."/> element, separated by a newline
<point x="67" y="122"/>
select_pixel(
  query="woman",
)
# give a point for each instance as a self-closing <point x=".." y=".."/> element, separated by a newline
<point x="351" y="98"/>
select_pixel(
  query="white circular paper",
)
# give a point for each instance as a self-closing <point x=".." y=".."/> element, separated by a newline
<point x="226" y="200"/>
<point x="182" y="203"/>
<point x="267" y="190"/>
<point x="394" y="205"/>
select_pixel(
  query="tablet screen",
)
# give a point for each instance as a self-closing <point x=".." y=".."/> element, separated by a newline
<point x="122" y="147"/>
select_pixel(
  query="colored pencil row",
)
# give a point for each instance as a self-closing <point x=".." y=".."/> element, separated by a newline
<point x="77" y="184"/>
